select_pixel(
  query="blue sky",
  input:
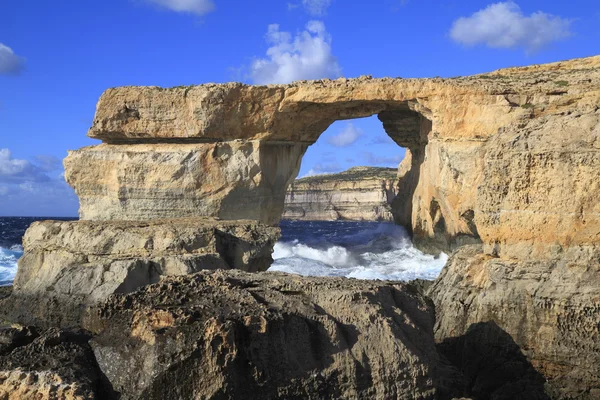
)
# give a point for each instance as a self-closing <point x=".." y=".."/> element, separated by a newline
<point x="56" y="58"/>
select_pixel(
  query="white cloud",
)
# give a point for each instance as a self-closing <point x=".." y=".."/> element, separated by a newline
<point x="27" y="189"/>
<point x="13" y="170"/>
<point x="347" y="136"/>
<point x="503" y="25"/>
<point x="373" y="159"/>
<point x="198" y="7"/>
<point x="306" y="56"/>
<point x="317" y="8"/>
<point x="10" y="63"/>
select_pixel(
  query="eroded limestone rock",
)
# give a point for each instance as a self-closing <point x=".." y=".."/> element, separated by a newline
<point x="551" y="309"/>
<point x="232" y="180"/>
<point x="359" y="194"/>
<point x="230" y="334"/>
<point x="468" y="137"/>
<point x="67" y="266"/>
<point x="510" y="159"/>
<point x="48" y="365"/>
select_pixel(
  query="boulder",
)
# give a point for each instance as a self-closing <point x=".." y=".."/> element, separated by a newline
<point x="48" y="365"/>
<point x="549" y="309"/>
<point x="231" y="334"/>
<point x="68" y="265"/>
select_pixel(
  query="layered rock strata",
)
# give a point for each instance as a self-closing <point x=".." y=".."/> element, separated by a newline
<point x="69" y="265"/>
<point x="238" y="147"/>
<point x="359" y="194"/>
<point x="230" y="180"/>
<point x="508" y="162"/>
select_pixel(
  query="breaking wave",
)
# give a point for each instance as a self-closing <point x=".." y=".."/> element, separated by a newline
<point x="363" y="250"/>
<point x="8" y="263"/>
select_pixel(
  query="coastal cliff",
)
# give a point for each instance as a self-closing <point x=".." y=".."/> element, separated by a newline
<point x="359" y="194"/>
<point x="502" y="170"/>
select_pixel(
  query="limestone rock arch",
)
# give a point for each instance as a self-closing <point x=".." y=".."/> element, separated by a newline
<point x="230" y="151"/>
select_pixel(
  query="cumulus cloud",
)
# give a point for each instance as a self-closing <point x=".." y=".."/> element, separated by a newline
<point x="503" y="25"/>
<point x="347" y="136"/>
<point x="198" y="7"/>
<point x="30" y="189"/>
<point x="307" y="55"/>
<point x="373" y="159"/>
<point x="14" y="170"/>
<point x="10" y="63"/>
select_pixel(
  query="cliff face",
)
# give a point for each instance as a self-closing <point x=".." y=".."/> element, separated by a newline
<point x="360" y="194"/>
<point x="230" y="151"/>
<point x="507" y="162"/>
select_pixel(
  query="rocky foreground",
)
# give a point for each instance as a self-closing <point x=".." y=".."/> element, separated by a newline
<point x="231" y="334"/>
<point x="144" y="297"/>
<point x="358" y="194"/>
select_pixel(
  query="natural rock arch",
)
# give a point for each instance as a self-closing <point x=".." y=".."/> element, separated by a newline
<point x="511" y="158"/>
<point x="230" y="151"/>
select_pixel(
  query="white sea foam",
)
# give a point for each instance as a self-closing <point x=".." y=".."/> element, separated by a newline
<point x="383" y="252"/>
<point x="8" y="263"/>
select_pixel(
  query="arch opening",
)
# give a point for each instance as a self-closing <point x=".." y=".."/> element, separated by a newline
<point x="407" y="124"/>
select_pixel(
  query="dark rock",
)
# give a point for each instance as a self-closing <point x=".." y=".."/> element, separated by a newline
<point x="230" y="334"/>
<point x="49" y="364"/>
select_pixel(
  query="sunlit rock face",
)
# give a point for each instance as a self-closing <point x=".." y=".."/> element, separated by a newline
<point x="226" y="180"/>
<point x="358" y="194"/>
<point x="231" y="151"/>
<point x="507" y="163"/>
<point x="68" y="265"/>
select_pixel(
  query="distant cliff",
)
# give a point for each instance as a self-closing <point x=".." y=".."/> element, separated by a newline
<point x="360" y="193"/>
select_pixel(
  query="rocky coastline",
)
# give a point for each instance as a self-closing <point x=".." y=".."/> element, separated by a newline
<point x="158" y="291"/>
<point x="357" y="194"/>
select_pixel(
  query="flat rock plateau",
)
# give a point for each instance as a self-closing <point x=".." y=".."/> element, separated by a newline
<point x="159" y="290"/>
<point x="358" y="194"/>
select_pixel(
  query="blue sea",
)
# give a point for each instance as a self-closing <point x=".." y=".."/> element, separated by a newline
<point x="363" y="250"/>
<point x="11" y="247"/>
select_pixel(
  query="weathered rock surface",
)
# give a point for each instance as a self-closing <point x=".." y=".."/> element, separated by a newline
<point x="67" y="266"/>
<point x="230" y="334"/>
<point x="508" y="160"/>
<point x="468" y="137"/>
<point x="493" y="366"/>
<point x="360" y="194"/>
<point x="232" y="180"/>
<point x="551" y="309"/>
<point x="48" y="365"/>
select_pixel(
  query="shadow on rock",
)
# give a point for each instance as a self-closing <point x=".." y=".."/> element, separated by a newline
<point x="228" y="334"/>
<point x="49" y="364"/>
<point x="493" y="365"/>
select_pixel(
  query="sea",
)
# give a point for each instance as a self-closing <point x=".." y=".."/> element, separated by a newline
<point x="353" y="249"/>
<point x="12" y="230"/>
